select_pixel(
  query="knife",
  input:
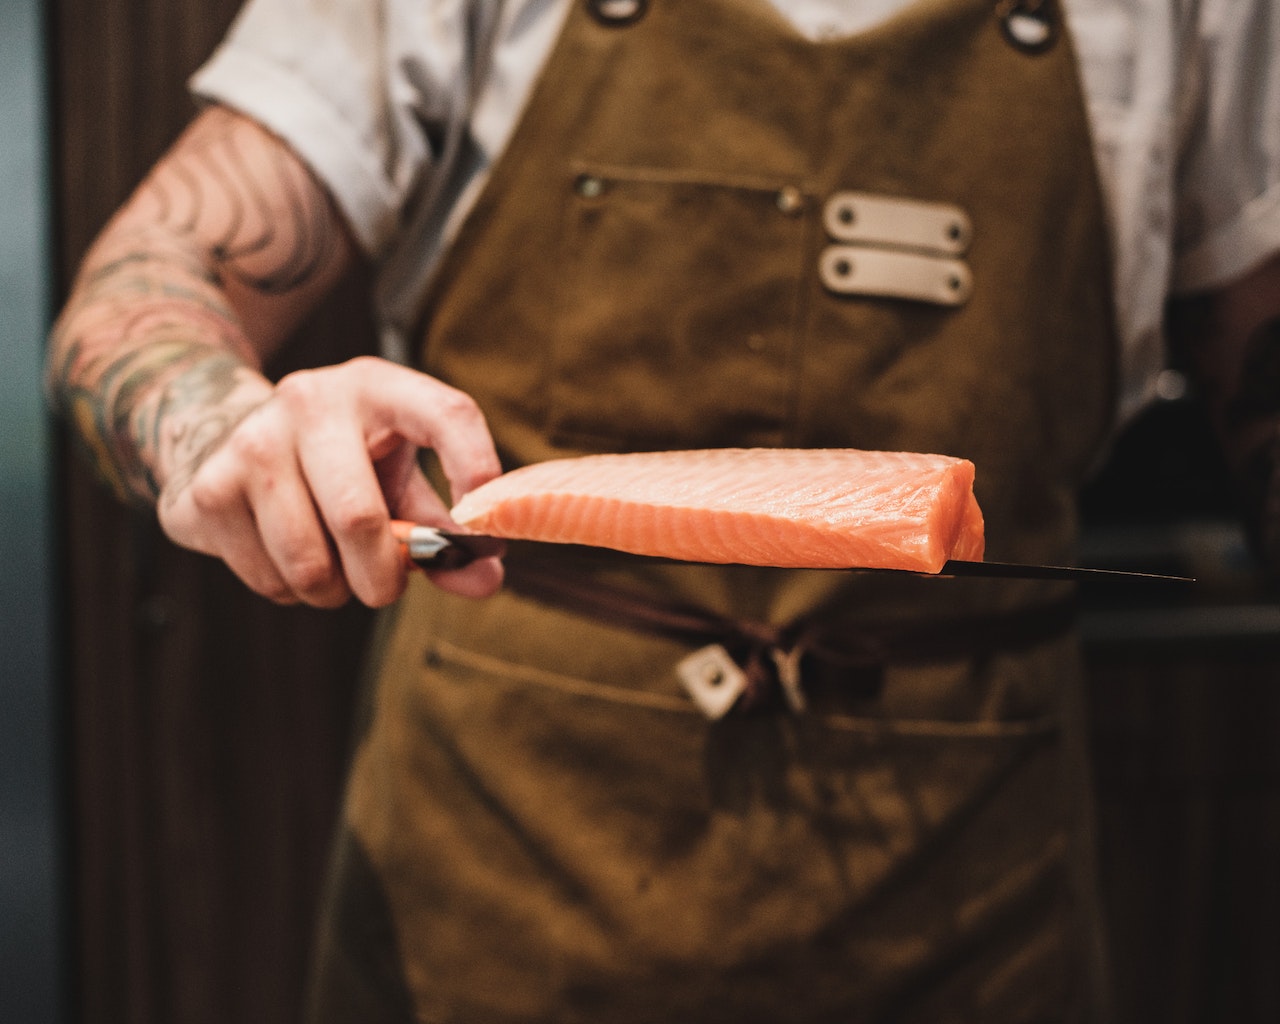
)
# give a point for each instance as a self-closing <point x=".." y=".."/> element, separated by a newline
<point x="432" y="548"/>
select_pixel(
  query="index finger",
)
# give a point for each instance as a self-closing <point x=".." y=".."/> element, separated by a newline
<point x="431" y="414"/>
<point x="364" y="405"/>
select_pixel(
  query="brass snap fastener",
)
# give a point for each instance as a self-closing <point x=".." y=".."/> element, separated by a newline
<point x="616" y="13"/>
<point x="1030" y="25"/>
<point x="789" y="200"/>
<point x="588" y="186"/>
<point x="713" y="680"/>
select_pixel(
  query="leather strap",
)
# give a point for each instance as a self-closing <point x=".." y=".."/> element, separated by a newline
<point x="762" y="649"/>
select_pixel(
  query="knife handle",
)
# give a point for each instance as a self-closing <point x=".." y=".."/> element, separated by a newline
<point x="430" y="548"/>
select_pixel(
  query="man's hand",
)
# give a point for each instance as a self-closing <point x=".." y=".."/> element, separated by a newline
<point x="298" y="497"/>
<point x="155" y="361"/>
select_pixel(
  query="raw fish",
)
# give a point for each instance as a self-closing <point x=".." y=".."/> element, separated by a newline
<point x="798" y="508"/>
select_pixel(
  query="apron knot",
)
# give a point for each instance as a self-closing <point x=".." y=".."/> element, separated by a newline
<point x="745" y="665"/>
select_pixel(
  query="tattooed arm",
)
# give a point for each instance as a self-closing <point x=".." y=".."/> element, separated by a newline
<point x="156" y="361"/>
<point x="1232" y="340"/>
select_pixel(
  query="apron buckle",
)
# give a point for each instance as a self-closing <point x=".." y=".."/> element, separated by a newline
<point x="713" y="680"/>
<point x="716" y="683"/>
<point x="898" y="248"/>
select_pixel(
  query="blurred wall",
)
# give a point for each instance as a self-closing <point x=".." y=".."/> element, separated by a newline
<point x="29" y="902"/>
<point x="206" y="729"/>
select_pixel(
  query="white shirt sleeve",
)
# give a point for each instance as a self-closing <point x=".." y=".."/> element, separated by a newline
<point x="358" y="88"/>
<point x="1228" y="176"/>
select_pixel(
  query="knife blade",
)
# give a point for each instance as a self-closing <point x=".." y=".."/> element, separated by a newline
<point x="432" y="548"/>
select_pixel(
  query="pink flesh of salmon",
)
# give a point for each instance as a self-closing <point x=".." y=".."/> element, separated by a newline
<point x="798" y="508"/>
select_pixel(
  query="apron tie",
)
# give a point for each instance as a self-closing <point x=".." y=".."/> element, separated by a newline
<point x="749" y="657"/>
<point x="744" y="664"/>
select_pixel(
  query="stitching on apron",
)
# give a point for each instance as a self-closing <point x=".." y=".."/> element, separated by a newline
<point x="907" y="728"/>
<point x="769" y="655"/>
<point x="556" y="680"/>
<point x="693" y="176"/>
<point x="904" y="728"/>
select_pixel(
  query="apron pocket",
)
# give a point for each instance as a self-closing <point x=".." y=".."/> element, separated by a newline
<point x="677" y="310"/>
<point x="562" y="836"/>
<point x="610" y="842"/>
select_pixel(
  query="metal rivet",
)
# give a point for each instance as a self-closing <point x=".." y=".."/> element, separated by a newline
<point x="954" y="232"/>
<point x="1030" y="25"/>
<point x="954" y="283"/>
<point x="712" y="679"/>
<point x="846" y="215"/>
<point x="1172" y="386"/>
<point x="843" y="267"/>
<point x="588" y="186"/>
<point x="789" y="200"/>
<point x="617" y="12"/>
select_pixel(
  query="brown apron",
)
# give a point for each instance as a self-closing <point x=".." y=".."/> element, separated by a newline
<point x="540" y="825"/>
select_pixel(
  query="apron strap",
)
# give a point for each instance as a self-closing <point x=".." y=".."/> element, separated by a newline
<point x="770" y="655"/>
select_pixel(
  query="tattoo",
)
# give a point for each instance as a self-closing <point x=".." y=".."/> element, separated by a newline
<point x="111" y="273"/>
<point x="137" y="324"/>
<point x="148" y="360"/>
<point x="263" y="223"/>
<point x="201" y="407"/>
<point x="120" y="419"/>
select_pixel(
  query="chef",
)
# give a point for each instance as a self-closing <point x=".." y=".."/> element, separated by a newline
<point x="945" y="226"/>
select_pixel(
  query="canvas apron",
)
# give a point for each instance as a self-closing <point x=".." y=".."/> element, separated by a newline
<point x="540" y="825"/>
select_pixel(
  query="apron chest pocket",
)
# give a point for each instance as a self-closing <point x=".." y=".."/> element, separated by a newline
<point x="677" y="311"/>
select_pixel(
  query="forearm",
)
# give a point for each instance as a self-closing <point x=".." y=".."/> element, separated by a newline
<point x="156" y="361"/>
<point x="205" y="270"/>
<point x="149" y="362"/>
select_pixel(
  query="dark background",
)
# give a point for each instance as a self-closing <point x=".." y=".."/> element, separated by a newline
<point x="205" y="731"/>
<point x="29" y="881"/>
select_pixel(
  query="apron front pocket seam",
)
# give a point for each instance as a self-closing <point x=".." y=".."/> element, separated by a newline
<point x="442" y="651"/>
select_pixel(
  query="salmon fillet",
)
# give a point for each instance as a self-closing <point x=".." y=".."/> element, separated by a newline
<point x="798" y="508"/>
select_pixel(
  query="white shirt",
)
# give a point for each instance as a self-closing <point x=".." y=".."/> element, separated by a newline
<point x="1183" y="98"/>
